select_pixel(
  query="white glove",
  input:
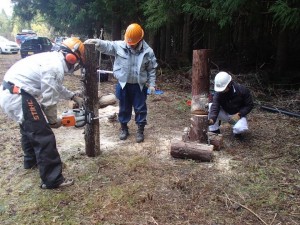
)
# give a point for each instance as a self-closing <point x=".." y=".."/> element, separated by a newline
<point x="93" y="41"/>
<point x="152" y="90"/>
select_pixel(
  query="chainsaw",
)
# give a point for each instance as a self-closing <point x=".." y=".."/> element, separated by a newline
<point x="77" y="117"/>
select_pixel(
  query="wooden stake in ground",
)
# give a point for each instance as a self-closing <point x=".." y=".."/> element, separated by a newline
<point x="200" y="92"/>
<point x="200" y="82"/>
<point x="90" y="84"/>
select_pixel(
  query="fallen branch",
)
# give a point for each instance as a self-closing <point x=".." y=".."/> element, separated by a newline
<point x="282" y="111"/>
<point x="273" y="219"/>
<point x="245" y="207"/>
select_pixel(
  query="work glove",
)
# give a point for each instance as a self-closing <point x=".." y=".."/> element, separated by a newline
<point x="234" y="118"/>
<point x="93" y="41"/>
<point x="51" y="113"/>
<point x="151" y="90"/>
<point x="79" y="101"/>
<point x="211" y="122"/>
<point x="57" y="124"/>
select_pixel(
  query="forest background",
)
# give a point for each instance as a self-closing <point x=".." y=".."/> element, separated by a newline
<point x="257" y="36"/>
<point x="254" y="181"/>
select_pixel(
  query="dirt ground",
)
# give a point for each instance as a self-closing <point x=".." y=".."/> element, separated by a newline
<point x="250" y="181"/>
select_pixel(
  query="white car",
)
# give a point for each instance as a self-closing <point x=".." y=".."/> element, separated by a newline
<point x="7" y="46"/>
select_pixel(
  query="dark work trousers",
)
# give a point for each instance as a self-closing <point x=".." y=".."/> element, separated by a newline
<point x="132" y="96"/>
<point x="39" y="144"/>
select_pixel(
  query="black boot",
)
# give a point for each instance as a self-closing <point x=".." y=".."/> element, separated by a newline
<point x="124" y="131"/>
<point x="216" y="131"/>
<point x="140" y="134"/>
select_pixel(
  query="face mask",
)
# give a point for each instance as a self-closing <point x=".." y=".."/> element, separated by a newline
<point x="77" y="66"/>
<point x="72" y="68"/>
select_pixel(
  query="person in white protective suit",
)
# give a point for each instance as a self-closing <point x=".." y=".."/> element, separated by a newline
<point x="231" y="103"/>
<point x="40" y="76"/>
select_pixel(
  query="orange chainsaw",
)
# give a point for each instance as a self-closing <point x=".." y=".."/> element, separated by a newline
<point x="76" y="117"/>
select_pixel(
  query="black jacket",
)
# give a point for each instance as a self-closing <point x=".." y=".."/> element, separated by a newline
<point x="237" y="100"/>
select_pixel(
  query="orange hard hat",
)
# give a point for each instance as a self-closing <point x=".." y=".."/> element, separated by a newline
<point x="134" y="33"/>
<point x="75" y="46"/>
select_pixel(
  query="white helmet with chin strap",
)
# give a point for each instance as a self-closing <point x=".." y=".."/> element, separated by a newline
<point x="222" y="80"/>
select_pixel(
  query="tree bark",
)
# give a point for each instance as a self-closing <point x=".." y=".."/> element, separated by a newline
<point x="168" y="42"/>
<point x="162" y="43"/>
<point x="200" y="82"/>
<point x="186" y="150"/>
<point x="281" y="54"/>
<point x="116" y="23"/>
<point x="186" y="37"/>
<point x="198" y="129"/>
<point x="92" y="131"/>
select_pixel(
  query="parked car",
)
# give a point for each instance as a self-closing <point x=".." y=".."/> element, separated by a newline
<point x="7" y="46"/>
<point x="34" y="45"/>
<point x="20" y="37"/>
<point x="57" y="43"/>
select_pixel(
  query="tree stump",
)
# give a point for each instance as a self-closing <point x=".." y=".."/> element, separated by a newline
<point x="195" y="151"/>
<point x="216" y="140"/>
<point x="198" y="129"/>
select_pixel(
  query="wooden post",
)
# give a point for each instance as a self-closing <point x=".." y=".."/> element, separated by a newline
<point x="200" y="82"/>
<point x="200" y="93"/>
<point x="90" y="80"/>
<point x="194" y="143"/>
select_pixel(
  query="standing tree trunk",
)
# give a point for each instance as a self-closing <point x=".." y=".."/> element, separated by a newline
<point x="200" y="82"/>
<point x="168" y="42"/>
<point x="186" y="45"/>
<point x="281" y="54"/>
<point x="200" y="91"/>
<point x="162" y="43"/>
<point x="116" y="23"/>
<point x="92" y="131"/>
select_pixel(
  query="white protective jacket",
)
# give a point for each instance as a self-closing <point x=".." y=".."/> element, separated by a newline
<point x="146" y="62"/>
<point x="40" y="75"/>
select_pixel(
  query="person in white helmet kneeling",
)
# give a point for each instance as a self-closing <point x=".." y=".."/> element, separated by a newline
<point x="231" y="103"/>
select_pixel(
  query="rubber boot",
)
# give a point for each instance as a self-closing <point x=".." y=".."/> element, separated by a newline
<point x="124" y="131"/>
<point x="140" y="134"/>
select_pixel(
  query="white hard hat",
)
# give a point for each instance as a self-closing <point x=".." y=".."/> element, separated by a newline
<point x="222" y="80"/>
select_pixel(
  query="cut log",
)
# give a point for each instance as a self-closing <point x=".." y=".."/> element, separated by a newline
<point x="107" y="100"/>
<point x="198" y="129"/>
<point x="216" y="140"/>
<point x="191" y="150"/>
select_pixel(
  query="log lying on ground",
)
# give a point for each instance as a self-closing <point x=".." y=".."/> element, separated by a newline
<point x="106" y="100"/>
<point x="191" y="150"/>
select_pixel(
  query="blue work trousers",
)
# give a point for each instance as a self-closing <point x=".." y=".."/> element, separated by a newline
<point x="132" y="96"/>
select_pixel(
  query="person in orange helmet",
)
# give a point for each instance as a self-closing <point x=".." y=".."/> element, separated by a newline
<point x="134" y="68"/>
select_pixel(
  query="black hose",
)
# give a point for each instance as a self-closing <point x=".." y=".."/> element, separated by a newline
<point x="277" y="110"/>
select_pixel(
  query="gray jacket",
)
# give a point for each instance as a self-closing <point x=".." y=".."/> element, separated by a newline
<point x="146" y="62"/>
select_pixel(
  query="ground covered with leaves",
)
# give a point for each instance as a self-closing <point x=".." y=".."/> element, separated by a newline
<point x="250" y="181"/>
